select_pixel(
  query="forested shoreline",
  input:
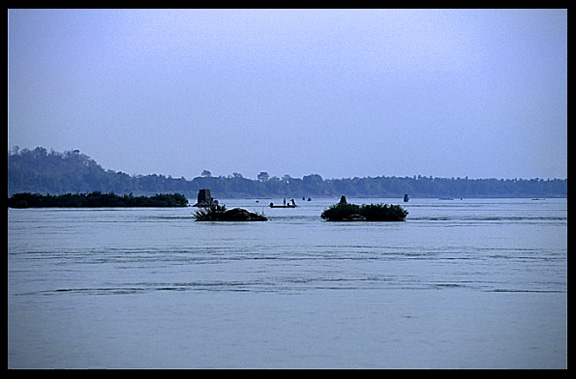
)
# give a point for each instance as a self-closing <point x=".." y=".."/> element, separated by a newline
<point x="95" y="200"/>
<point x="50" y="172"/>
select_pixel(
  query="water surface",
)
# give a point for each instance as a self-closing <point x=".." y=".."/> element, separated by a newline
<point x="460" y="283"/>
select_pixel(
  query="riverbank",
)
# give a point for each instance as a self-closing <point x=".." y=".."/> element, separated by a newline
<point x="95" y="200"/>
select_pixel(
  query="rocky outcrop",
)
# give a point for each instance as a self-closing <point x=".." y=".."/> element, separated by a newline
<point x="205" y="200"/>
<point x="219" y="213"/>
<point x="239" y="214"/>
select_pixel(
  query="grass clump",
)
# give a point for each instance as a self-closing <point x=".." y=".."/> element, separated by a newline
<point x="210" y="214"/>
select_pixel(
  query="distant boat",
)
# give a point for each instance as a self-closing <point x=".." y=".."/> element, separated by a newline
<point x="291" y="204"/>
<point x="406" y="198"/>
<point x="446" y="198"/>
<point x="283" y="206"/>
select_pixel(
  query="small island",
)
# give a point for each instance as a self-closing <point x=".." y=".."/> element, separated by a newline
<point x="219" y="213"/>
<point x="96" y="200"/>
<point x="373" y="212"/>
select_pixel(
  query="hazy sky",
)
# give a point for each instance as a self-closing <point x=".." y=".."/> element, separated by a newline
<point x="341" y="93"/>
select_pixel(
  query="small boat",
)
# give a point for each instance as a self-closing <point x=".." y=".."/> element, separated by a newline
<point x="283" y="206"/>
<point x="291" y="204"/>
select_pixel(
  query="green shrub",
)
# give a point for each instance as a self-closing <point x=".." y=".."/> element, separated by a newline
<point x="372" y="212"/>
<point x="383" y="212"/>
<point x="338" y="212"/>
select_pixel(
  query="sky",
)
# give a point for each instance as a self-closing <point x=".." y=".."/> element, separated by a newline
<point x="339" y="93"/>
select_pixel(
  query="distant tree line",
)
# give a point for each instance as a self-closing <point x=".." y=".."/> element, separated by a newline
<point x="94" y="200"/>
<point x="44" y="171"/>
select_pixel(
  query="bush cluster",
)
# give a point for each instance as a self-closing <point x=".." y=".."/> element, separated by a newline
<point x="372" y="212"/>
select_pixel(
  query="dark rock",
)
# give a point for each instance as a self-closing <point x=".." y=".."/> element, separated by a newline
<point x="238" y="214"/>
<point x="205" y="200"/>
<point x="220" y="213"/>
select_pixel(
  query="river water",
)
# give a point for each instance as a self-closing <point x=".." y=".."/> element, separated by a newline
<point x="472" y="283"/>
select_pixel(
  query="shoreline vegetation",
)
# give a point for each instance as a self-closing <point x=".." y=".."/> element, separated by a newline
<point x="96" y="200"/>
<point x="43" y="171"/>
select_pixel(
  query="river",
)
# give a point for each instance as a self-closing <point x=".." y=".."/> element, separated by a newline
<point x="463" y="283"/>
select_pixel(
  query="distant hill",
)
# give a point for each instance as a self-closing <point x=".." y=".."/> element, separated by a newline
<point x="43" y="171"/>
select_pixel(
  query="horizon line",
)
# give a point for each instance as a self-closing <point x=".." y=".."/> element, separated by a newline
<point x="18" y="150"/>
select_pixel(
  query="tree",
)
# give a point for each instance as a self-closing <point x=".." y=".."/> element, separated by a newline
<point x="312" y="178"/>
<point x="43" y="171"/>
